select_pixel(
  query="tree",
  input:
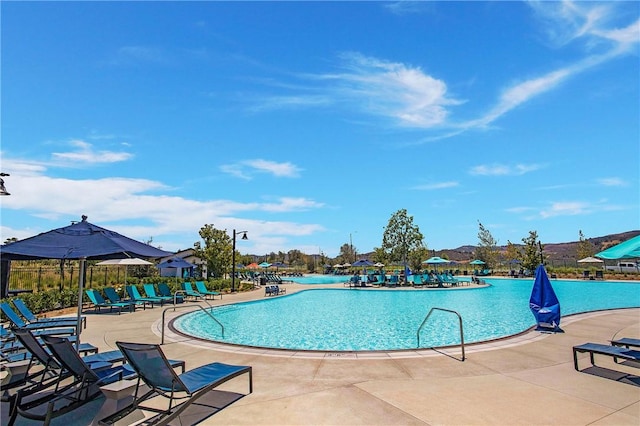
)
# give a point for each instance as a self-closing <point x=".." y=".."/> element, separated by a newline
<point x="347" y="253"/>
<point x="584" y="248"/>
<point x="533" y="252"/>
<point x="416" y="257"/>
<point x="512" y="253"/>
<point x="216" y="252"/>
<point x="401" y="237"/>
<point x="487" y="249"/>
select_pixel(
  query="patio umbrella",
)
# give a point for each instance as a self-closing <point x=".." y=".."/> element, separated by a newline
<point x="125" y="262"/>
<point x="80" y="240"/>
<point x="476" y="262"/>
<point x="252" y="266"/>
<point x="264" y="265"/>
<point x="629" y="249"/>
<point x="590" y="260"/>
<point x="435" y="260"/>
<point x="364" y="263"/>
<point x="175" y="263"/>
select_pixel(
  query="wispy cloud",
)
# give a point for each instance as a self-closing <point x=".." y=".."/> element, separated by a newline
<point x="503" y="169"/>
<point x="611" y="181"/>
<point x="248" y="168"/>
<point x="407" y="7"/>
<point x="290" y="102"/>
<point x="85" y="154"/>
<point x="436" y="185"/>
<point x="566" y="208"/>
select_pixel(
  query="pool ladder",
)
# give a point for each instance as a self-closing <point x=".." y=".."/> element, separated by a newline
<point x="444" y="310"/>
<point x="174" y="307"/>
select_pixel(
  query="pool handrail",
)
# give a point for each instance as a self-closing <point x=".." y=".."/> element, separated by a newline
<point x="174" y="307"/>
<point x="444" y="310"/>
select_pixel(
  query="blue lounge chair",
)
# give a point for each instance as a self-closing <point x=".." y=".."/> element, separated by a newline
<point x="190" y="292"/>
<point x="153" y="370"/>
<point x="112" y="296"/>
<point x="136" y="297"/>
<point x="62" y="328"/>
<point x="202" y="288"/>
<point x="99" y="302"/>
<point x="150" y="291"/>
<point x="45" y="403"/>
<point x="26" y="313"/>
<point x="393" y="281"/>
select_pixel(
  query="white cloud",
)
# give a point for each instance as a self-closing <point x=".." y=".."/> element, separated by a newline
<point x="611" y="181"/>
<point x="565" y="208"/>
<point x="85" y="154"/>
<point x="437" y="185"/>
<point x="503" y="169"/>
<point x="248" y="168"/>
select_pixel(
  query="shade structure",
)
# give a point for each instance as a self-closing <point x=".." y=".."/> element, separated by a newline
<point x="81" y="240"/>
<point x="364" y="263"/>
<point x="264" y="265"/>
<point x="252" y="266"/>
<point x="590" y="260"/>
<point x="124" y="262"/>
<point x="476" y="262"/>
<point x="544" y="303"/>
<point x="629" y="249"/>
<point x="435" y="260"/>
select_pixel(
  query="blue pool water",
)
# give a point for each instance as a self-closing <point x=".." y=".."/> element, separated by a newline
<point x="319" y="279"/>
<point x="362" y="320"/>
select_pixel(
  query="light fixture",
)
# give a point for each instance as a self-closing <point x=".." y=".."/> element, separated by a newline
<point x="3" y="190"/>
<point x="233" y="258"/>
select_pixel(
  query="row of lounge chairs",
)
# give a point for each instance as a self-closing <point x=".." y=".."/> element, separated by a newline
<point x="152" y="296"/>
<point x="57" y="379"/>
<point x="416" y="280"/>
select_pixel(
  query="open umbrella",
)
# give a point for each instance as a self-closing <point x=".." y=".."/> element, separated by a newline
<point x="252" y="266"/>
<point x="435" y="260"/>
<point x="80" y="240"/>
<point x="629" y="249"/>
<point x="364" y="263"/>
<point x="175" y="263"/>
<point x="590" y="260"/>
<point x="476" y="262"/>
<point x="125" y="262"/>
<point x="264" y="265"/>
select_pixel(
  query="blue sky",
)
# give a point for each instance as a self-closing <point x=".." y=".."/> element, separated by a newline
<point x="308" y="124"/>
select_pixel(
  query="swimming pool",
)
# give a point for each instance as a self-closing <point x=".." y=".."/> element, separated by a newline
<point x="320" y="279"/>
<point x="365" y="320"/>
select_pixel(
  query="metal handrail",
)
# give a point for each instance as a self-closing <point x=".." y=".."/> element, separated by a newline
<point x="174" y="307"/>
<point x="444" y="310"/>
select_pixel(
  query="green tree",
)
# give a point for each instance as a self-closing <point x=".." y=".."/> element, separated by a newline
<point x="417" y="256"/>
<point x="401" y="237"/>
<point x="487" y="249"/>
<point x="533" y="252"/>
<point x="584" y="248"/>
<point x="512" y="252"/>
<point x="216" y="250"/>
<point x="379" y="255"/>
<point x="347" y="253"/>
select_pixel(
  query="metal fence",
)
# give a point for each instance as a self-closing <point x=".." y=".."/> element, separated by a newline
<point x="30" y="279"/>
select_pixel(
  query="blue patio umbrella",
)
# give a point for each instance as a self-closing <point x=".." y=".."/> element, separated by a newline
<point x="435" y="260"/>
<point x="476" y="262"/>
<point x="264" y="265"/>
<point x="176" y="263"/>
<point x="81" y="241"/>
<point x="364" y="263"/>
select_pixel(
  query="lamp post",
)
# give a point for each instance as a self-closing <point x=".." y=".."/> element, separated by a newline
<point x="233" y="256"/>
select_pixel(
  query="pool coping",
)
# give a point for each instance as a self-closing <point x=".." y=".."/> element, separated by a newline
<point x="527" y="336"/>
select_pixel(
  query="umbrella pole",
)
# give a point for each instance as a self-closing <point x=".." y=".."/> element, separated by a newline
<point x="83" y="269"/>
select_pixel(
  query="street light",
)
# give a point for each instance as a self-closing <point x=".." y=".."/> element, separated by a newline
<point x="3" y="190"/>
<point x="233" y="256"/>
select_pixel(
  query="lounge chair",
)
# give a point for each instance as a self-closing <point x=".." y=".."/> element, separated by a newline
<point x="608" y="350"/>
<point x="164" y="290"/>
<point x="202" y="288"/>
<point x="61" y="328"/>
<point x="45" y="403"/>
<point x="586" y="275"/>
<point x="99" y="302"/>
<point x="112" y="296"/>
<point x="26" y="313"/>
<point x="393" y="281"/>
<point x="599" y="275"/>
<point x="136" y="297"/>
<point x="150" y="291"/>
<point x="153" y="370"/>
<point x="626" y="342"/>
<point x="416" y="280"/>
<point x="190" y="292"/>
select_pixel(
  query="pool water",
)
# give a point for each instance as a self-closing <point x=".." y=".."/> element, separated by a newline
<point x="319" y="279"/>
<point x="364" y="320"/>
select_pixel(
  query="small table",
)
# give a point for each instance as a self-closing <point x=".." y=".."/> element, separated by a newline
<point x="118" y="396"/>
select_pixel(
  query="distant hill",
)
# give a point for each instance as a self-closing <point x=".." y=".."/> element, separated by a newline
<point x="553" y="251"/>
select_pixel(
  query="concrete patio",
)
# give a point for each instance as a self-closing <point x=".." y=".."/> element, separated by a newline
<point x="528" y="379"/>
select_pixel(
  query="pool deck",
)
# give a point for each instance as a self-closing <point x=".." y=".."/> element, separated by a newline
<point x="528" y="379"/>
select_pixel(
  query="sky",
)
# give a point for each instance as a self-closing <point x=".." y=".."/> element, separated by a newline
<point x="309" y="124"/>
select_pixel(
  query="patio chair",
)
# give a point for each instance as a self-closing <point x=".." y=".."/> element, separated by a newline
<point x="190" y="292"/>
<point x="616" y="352"/>
<point x="112" y="296"/>
<point x="136" y="297"/>
<point x="150" y="291"/>
<point x="153" y="370"/>
<point x="60" y="327"/>
<point x="202" y="288"/>
<point x="164" y="290"/>
<point x="45" y="403"/>
<point x="26" y="313"/>
<point x="99" y="302"/>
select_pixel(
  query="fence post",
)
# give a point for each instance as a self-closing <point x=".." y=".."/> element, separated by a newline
<point x="71" y="278"/>
<point x="39" y="285"/>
